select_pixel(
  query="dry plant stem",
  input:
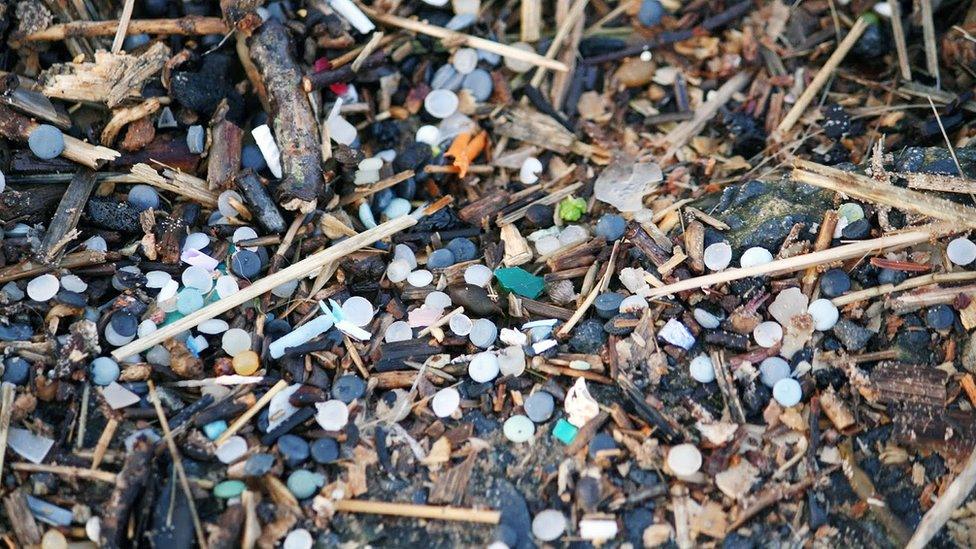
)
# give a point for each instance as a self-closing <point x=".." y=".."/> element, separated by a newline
<point x="189" y="25"/>
<point x="820" y="79"/>
<point x="70" y="261"/>
<point x="485" y="516"/>
<point x="954" y="496"/>
<point x="530" y="16"/>
<point x="251" y="412"/>
<point x="564" y="29"/>
<point x="129" y="483"/>
<point x="909" y="284"/>
<point x="103" y="441"/>
<point x="866" y="188"/>
<point x="197" y="193"/>
<point x="465" y="39"/>
<point x="441" y="321"/>
<point x="298" y="270"/>
<point x="123" y="116"/>
<point x="939" y="182"/>
<point x="900" y="46"/>
<point x="177" y="464"/>
<point x="798" y="263"/>
<point x="7" y="391"/>
<point x="363" y="192"/>
<point x="124" y="21"/>
<point x="66" y="471"/>
<point x="295" y="128"/>
<point x="684" y="132"/>
<point x="578" y="315"/>
<point x="224" y="159"/>
<point x="928" y="35"/>
<point x="368" y="49"/>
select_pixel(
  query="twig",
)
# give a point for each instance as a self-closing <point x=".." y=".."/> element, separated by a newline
<point x="247" y="415"/>
<point x="900" y="46"/>
<point x="178" y="464"/>
<point x="909" y="284"/>
<point x="825" y="72"/>
<point x="71" y="261"/>
<point x="67" y="215"/>
<point x="557" y="41"/>
<point x="6" y="410"/>
<point x="195" y="189"/>
<point x="435" y="512"/>
<point x="123" y="26"/>
<point x="773" y="495"/>
<point x="680" y="135"/>
<point x="103" y="441"/>
<point x="578" y="315"/>
<point x="64" y="470"/>
<point x="952" y="150"/>
<point x="441" y="321"/>
<point x="727" y="385"/>
<point x="189" y="25"/>
<point x="953" y="497"/>
<point x="931" y="46"/>
<point x="363" y="192"/>
<point x="368" y="49"/>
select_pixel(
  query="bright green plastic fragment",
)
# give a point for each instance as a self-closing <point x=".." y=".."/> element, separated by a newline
<point x="518" y="281"/>
<point x="571" y="209"/>
<point x="564" y="431"/>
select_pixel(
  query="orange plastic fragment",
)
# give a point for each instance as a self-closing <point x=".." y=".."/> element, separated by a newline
<point x="458" y="145"/>
<point x="471" y="151"/>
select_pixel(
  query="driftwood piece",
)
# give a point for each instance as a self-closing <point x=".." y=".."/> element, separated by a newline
<point x="110" y="79"/>
<point x="225" y="149"/>
<point x="21" y="520"/>
<point x="899" y="384"/>
<point x="189" y="25"/>
<point x="451" y="486"/>
<point x="241" y="15"/>
<point x="18" y="127"/>
<point x="62" y="228"/>
<point x="28" y="201"/>
<point x="262" y="206"/>
<point x="129" y="484"/>
<point x="295" y="128"/>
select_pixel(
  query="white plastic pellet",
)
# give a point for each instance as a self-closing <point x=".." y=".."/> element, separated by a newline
<point x="787" y="392"/>
<point x="441" y="103"/>
<point x="298" y="538"/>
<point x="213" y="326"/>
<point x="397" y="271"/>
<point x="145" y="328"/>
<point x="824" y="313"/>
<point x="483" y="367"/>
<point x="632" y="304"/>
<point x="226" y="286"/>
<point x="768" y="334"/>
<point x="465" y="60"/>
<point x="332" y="415"/>
<point x="717" y="256"/>
<point x="233" y="449"/>
<point x="372" y="163"/>
<point x="358" y="310"/>
<point x="224" y="205"/>
<point x="168" y="291"/>
<point x="706" y="319"/>
<point x="157" y="279"/>
<point x="547" y="244"/>
<point x="477" y="274"/>
<point x="445" y="402"/>
<point x="43" y="287"/>
<point x="437" y="300"/>
<point x="675" y="333"/>
<point x="548" y="525"/>
<point x="197" y="277"/>
<point x="269" y="149"/>
<point x="961" y="251"/>
<point x="235" y="341"/>
<point x="483" y="333"/>
<point x="196" y="241"/>
<point x="244" y="233"/>
<point x="420" y="278"/>
<point x="701" y="369"/>
<point x="300" y="335"/>
<point x="460" y="324"/>
<point x="772" y="370"/>
<point x="398" y="331"/>
<point x="405" y="253"/>
<point x="73" y="283"/>
<point x="684" y="459"/>
<point x="285" y="289"/>
<point x="755" y="256"/>
<point x="530" y="170"/>
<point x="428" y="134"/>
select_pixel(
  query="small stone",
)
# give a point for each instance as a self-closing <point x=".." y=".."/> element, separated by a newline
<point x="611" y="227"/>
<point x="518" y="428"/>
<point x="539" y="406"/>
<point x="675" y="333"/>
<point x="787" y="392"/>
<point x="473" y="298"/>
<point x="518" y="281"/>
<point x="483" y="367"/>
<point x="588" y="337"/>
<point x="773" y="369"/>
<point x="143" y="197"/>
<point x="834" y="282"/>
<point x="104" y="371"/>
<point x="348" y="388"/>
<point x="961" y="251"/>
<point x="258" y="465"/>
<point x="755" y="256"/>
<point x="445" y="402"/>
<point x="46" y="141"/>
<point x="564" y="431"/>
<point x="440" y="259"/>
<point x="684" y="459"/>
<point x="293" y="449"/>
<point x="16" y="370"/>
<point x="824" y="313"/>
<point x="229" y="489"/>
<point x="304" y="484"/>
<point x="939" y="317"/>
<point x="325" y="450"/>
<point x="548" y="525"/>
<point x="540" y="216"/>
<point x="768" y="334"/>
<point x="701" y="369"/>
<point x="856" y="230"/>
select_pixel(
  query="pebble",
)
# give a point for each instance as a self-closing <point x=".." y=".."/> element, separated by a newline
<point x="548" y="525"/>
<point x="684" y="459"/>
<point x="231" y="450"/>
<point x="768" y="334"/>
<point x="143" y="197"/>
<point x="104" y="371"/>
<point x="824" y="313"/>
<point x="483" y="333"/>
<point x="348" y="388"/>
<point x="611" y="227"/>
<point x="124" y="324"/>
<point x="701" y="369"/>
<point x="540" y="216"/>
<point x="772" y="370"/>
<point x="304" y="484"/>
<point x="518" y="428"/>
<point x="588" y="337"/>
<point x="852" y="336"/>
<point x="539" y="406"/>
<point x="834" y="282"/>
<point x="755" y="256"/>
<point x="43" y="287"/>
<point x="46" y="141"/>
<point x="325" y="450"/>
<point x="293" y="449"/>
<point x="706" y="319"/>
<point x="440" y="259"/>
<point x="717" y="256"/>
<point x="939" y="317"/>
<point x="961" y="251"/>
<point x="445" y="402"/>
<point x="650" y="13"/>
<point x="473" y="298"/>
<point x="483" y="367"/>
<point x="787" y="392"/>
<point x="16" y="370"/>
<point x="299" y="538"/>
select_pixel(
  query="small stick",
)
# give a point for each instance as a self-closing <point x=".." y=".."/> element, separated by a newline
<point x="931" y="47"/>
<point x="820" y="79"/>
<point x="251" y="412"/>
<point x="178" y="464"/>
<point x="727" y="385"/>
<point x="64" y="470"/>
<point x="486" y="516"/>
<point x="189" y="25"/>
<point x="66" y="217"/>
<point x="363" y="192"/>
<point x="679" y="136"/>
<point x="557" y="41"/>
<point x="82" y="417"/>
<point x="900" y="46"/>
<point x="6" y="410"/>
<point x="368" y="49"/>
<point x="441" y="321"/>
<point x="530" y="20"/>
<point x="578" y="315"/>
<point x="103" y="441"/>
<point x="298" y="270"/>
<point x="466" y="39"/>
<point x="123" y="25"/>
<point x="798" y="263"/>
<point x="123" y="116"/>
<point x="909" y="284"/>
<point x="144" y="173"/>
<point x="71" y="261"/>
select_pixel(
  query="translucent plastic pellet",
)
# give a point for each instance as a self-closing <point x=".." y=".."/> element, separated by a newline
<point x="113" y="338"/>
<point x="213" y="326"/>
<point x="420" y="278"/>
<point x="706" y="319"/>
<point x="397" y="271"/>
<point x="767" y="334"/>
<point x="437" y="300"/>
<point x="167" y="305"/>
<point x="146" y="327"/>
<point x="197" y="278"/>
<point x="300" y="335"/>
<point x="684" y="459"/>
<point x="547" y="244"/>
<point x="479" y="275"/>
<point x="398" y="331"/>
<point x="196" y="241"/>
<point x="518" y="428"/>
<point x="441" y="103"/>
<point x="168" y="291"/>
<point x="398" y="207"/>
<point x="405" y="254"/>
<point x="717" y="256"/>
<point x="755" y="256"/>
<point x="772" y="370"/>
<point x="157" y="279"/>
<point x="285" y="289"/>
<point x="43" y="288"/>
<point x="548" y="525"/>
<point x="701" y="369"/>
<point x="961" y="251"/>
<point x="189" y="300"/>
<point x="483" y="367"/>
<point x="572" y="235"/>
<point x="235" y="341"/>
<point x="224" y="206"/>
<point x="244" y="233"/>
<point x="96" y="244"/>
<point x="824" y="313"/>
<point x="73" y="283"/>
<point x="445" y="402"/>
<point x="233" y="449"/>
<point x="358" y="310"/>
<point x="460" y="324"/>
<point x="483" y="333"/>
<point x="158" y="355"/>
<point x="226" y="286"/>
<point x="530" y="170"/>
<point x="371" y="164"/>
<point x="465" y="60"/>
<point x="367" y="177"/>
<point x="429" y="135"/>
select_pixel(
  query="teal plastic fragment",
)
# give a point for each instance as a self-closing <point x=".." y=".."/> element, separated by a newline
<point x="520" y="282"/>
<point x="564" y="431"/>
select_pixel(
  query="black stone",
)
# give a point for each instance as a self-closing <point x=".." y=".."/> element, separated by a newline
<point x="834" y="283"/>
<point x="588" y="337"/>
<point x="539" y="216"/>
<point x="853" y="336"/>
<point x="473" y="298"/>
<point x="115" y="216"/>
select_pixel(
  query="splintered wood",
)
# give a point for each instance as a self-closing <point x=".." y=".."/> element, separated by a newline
<point x="110" y="79"/>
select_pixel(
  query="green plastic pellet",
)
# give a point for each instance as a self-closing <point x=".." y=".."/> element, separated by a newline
<point x="571" y="209"/>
